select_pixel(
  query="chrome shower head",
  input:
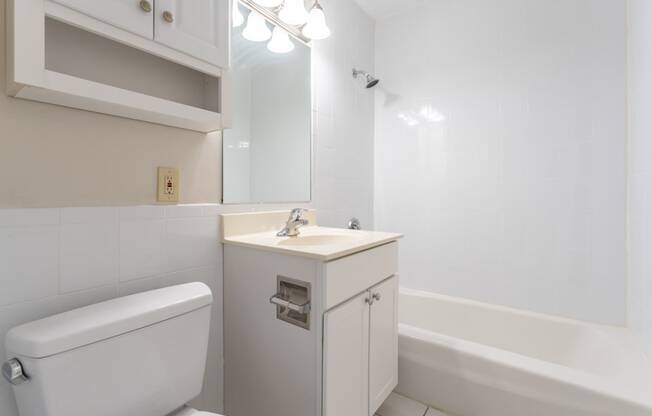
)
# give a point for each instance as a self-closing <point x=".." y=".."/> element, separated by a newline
<point x="370" y="80"/>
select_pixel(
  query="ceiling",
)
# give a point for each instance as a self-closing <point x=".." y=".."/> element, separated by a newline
<point x="381" y="9"/>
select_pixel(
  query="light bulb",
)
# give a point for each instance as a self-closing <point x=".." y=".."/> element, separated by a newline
<point x="293" y="12"/>
<point x="256" y="29"/>
<point x="237" y="17"/>
<point x="269" y="3"/>
<point x="280" y="42"/>
<point x="316" y="27"/>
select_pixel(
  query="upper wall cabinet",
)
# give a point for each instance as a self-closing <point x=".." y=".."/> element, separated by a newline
<point x="195" y="27"/>
<point x="162" y="61"/>
<point x="134" y="16"/>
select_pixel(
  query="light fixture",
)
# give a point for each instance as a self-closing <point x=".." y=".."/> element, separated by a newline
<point x="256" y="29"/>
<point x="237" y="17"/>
<point x="293" y="12"/>
<point x="316" y="27"/>
<point x="269" y="3"/>
<point x="280" y="42"/>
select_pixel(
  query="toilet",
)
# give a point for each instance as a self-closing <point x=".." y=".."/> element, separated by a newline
<point x="139" y="355"/>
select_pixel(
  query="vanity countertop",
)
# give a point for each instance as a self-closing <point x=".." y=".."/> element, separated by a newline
<point x="321" y="243"/>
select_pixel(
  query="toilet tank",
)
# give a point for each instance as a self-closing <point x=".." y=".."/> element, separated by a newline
<point x="140" y="355"/>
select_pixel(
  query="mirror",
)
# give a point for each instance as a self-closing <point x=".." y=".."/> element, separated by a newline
<point x="267" y="152"/>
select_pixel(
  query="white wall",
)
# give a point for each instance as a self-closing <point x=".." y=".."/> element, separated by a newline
<point x="640" y="168"/>
<point x="344" y="140"/>
<point x="500" y="151"/>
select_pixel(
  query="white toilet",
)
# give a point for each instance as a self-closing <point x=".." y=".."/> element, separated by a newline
<point x="140" y="355"/>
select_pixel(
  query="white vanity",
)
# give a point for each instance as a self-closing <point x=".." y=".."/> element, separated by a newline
<point x="310" y="321"/>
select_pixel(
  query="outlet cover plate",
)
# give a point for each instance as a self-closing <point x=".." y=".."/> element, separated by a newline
<point x="168" y="185"/>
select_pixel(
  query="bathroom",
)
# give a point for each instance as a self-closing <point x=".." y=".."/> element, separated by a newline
<point x="472" y="172"/>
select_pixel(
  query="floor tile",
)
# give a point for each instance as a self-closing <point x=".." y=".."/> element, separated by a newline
<point x="397" y="405"/>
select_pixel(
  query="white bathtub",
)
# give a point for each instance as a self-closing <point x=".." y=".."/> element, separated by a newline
<point x="474" y="359"/>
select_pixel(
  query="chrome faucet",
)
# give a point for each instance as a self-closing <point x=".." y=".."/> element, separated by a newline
<point x="295" y="221"/>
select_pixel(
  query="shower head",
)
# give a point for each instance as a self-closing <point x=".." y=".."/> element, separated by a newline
<point x="370" y="80"/>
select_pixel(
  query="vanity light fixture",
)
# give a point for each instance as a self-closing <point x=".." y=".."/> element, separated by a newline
<point x="269" y="3"/>
<point x="289" y="16"/>
<point x="256" y="29"/>
<point x="237" y="17"/>
<point x="280" y="42"/>
<point x="316" y="27"/>
<point x="293" y="12"/>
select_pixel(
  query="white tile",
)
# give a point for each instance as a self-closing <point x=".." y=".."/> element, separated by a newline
<point x="209" y="275"/>
<point x="83" y="298"/>
<point x="92" y="215"/>
<point x="139" y="285"/>
<point x="28" y="217"/>
<point x="521" y="179"/>
<point x="30" y="263"/>
<point x="398" y="405"/>
<point x="89" y="256"/>
<point x="142" y="249"/>
<point x="191" y="243"/>
<point x="184" y="211"/>
<point x="212" y="210"/>
<point x="139" y="213"/>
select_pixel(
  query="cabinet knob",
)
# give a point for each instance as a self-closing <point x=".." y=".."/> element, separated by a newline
<point x="376" y="296"/>
<point x="146" y="6"/>
<point x="168" y="16"/>
<point x="369" y="301"/>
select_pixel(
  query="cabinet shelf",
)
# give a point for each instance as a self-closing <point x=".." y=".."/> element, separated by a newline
<point x="60" y="56"/>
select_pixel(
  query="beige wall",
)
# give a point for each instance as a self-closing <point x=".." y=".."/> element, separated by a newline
<point x="52" y="156"/>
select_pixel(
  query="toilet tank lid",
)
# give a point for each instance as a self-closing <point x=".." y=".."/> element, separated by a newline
<point x="83" y="326"/>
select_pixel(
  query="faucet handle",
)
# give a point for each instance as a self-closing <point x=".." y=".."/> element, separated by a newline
<point x="297" y="213"/>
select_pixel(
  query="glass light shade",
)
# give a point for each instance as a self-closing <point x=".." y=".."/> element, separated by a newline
<point x="256" y="29"/>
<point x="280" y="42"/>
<point x="268" y="3"/>
<point x="316" y="27"/>
<point x="293" y="12"/>
<point x="237" y="17"/>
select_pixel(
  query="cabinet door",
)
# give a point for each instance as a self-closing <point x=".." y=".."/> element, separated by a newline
<point x="199" y="28"/>
<point x="383" y="343"/>
<point x="125" y="14"/>
<point x="346" y="359"/>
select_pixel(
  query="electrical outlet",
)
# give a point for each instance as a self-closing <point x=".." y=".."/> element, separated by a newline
<point x="168" y="185"/>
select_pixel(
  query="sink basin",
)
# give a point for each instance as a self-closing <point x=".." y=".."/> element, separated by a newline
<point x="258" y="230"/>
<point x="317" y="240"/>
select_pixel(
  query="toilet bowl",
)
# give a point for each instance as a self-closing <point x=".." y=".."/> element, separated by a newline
<point x="143" y="354"/>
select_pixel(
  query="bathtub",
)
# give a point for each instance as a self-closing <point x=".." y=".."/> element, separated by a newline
<point x="472" y="359"/>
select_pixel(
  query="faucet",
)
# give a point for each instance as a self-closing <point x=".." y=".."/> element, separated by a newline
<point x="295" y="221"/>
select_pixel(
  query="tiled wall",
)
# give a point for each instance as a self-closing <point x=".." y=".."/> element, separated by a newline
<point x="500" y="151"/>
<point x="344" y="118"/>
<point x="55" y="260"/>
<point x="640" y="168"/>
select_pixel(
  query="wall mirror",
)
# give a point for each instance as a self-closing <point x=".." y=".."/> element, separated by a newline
<point x="267" y="153"/>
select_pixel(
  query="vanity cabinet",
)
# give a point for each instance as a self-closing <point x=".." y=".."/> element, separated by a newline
<point x="360" y="351"/>
<point x="134" y="16"/>
<point x="195" y="27"/>
<point x="161" y="61"/>
<point x="306" y="333"/>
